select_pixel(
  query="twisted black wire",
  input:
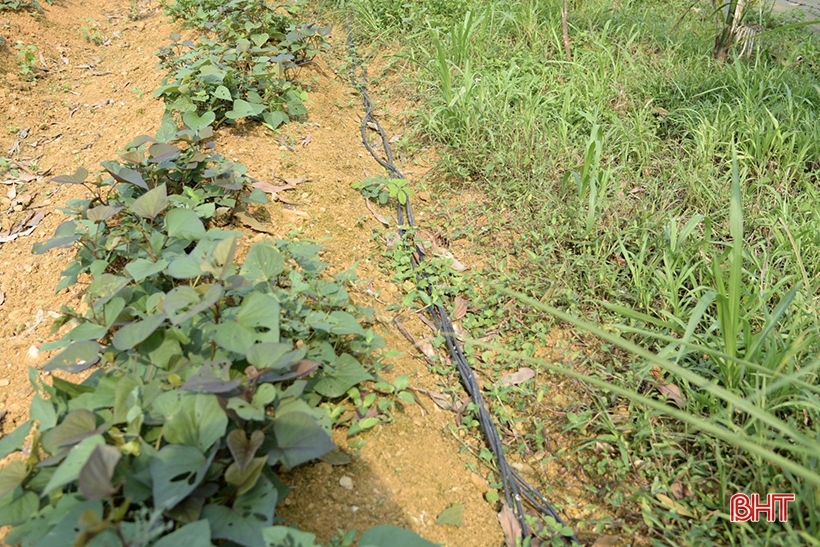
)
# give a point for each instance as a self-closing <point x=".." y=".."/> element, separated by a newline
<point x="516" y="488"/>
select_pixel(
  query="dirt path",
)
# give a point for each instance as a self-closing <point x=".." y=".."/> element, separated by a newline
<point x="89" y="102"/>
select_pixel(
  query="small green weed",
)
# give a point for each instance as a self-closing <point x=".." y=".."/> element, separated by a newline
<point x="26" y="59"/>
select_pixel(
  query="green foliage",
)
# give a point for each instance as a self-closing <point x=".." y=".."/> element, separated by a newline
<point x="20" y="5"/>
<point x="382" y="189"/>
<point x="26" y="59"/>
<point x="615" y="179"/>
<point x="92" y="33"/>
<point x="211" y="373"/>
<point x="242" y="70"/>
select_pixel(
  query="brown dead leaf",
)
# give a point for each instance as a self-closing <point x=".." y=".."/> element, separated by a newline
<point x="510" y="526"/>
<point x="671" y="504"/>
<point x="454" y="263"/>
<point x="607" y="541"/>
<point x="679" y="490"/>
<point x="519" y="377"/>
<point x="460" y="309"/>
<point x="427" y="349"/>
<point x="672" y="392"/>
<point x="375" y="213"/>
<point x="250" y="221"/>
<point x="269" y="188"/>
<point x="294" y="182"/>
<point x="441" y="400"/>
<point x="396" y="138"/>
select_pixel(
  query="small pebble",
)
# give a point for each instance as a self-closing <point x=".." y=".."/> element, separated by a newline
<point x="346" y="482"/>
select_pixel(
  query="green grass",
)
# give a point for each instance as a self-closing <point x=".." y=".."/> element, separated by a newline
<point x="674" y="198"/>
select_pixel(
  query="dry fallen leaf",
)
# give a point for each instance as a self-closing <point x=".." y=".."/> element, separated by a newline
<point x="510" y="526"/>
<point x="306" y="141"/>
<point x="522" y="375"/>
<point x="460" y="309"/>
<point x="376" y="214"/>
<point x="441" y="400"/>
<point x="671" y="504"/>
<point x="251" y="222"/>
<point x="678" y="490"/>
<point x="673" y="393"/>
<point x="444" y="253"/>
<point x="296" y="181"/>
<point x="607" y="541"/>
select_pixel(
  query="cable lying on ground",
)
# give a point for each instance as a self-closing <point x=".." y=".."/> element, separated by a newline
<point x="516" y="489"/>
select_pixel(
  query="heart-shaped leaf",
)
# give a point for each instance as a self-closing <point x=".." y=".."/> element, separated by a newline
<point x="78" y="177"/>
<point x="184" y="224"/>
<point x="95" y="476"/>
<point x="222" y="92"/>
<point x="151" y="203"/>
<point x="244" y="109"/>
<point x="132" y="334"/>
<point x="195" y="122"/>
<point x="243" y="449"/>
<point x="75" y="358"/>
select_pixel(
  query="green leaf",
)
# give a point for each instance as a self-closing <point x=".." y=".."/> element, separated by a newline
<point x="43" y="411"/>
<point x="263" y="263"/>
<point x="141" y="268"/>
<point x="176" y="471"/>
<point x="245" y="478"/>
<point x="195" y="122"/>
<point x="12" y="475"/>
<point x="95" y="476"/>
<point x="300" y="438"/>
<point x="195" y="534"/>
<point x="18" y="511"/>
<point x="78" y="177"/>
<point x="227" y="524"/>
<point x="151" y="203"/>
<point x="275" y="536"/>
<point x="343" y="323"/>
<point x="452" y="516"/>
<point x="246" y="410"/>
<point x="75" y="358"/>
<point x="184" y="224"/>
<point x="11" y="442"/>
<point x="222" y="92"/>
<point x="76" y="426"/>
<point x="275" y="118"/>
<point x="337" y="379"/>
<point x="269" y="355"/>
<point x="121" y="173"/>
<point x="196" y="420"/>
<point x="259" y="39"/>
<point x="244" y="109"/>
<point x="362" y="425"/>
<point x="243" y="449"/>
<point x="102" y="213"/>
<point x="64" y="235"/>
<point x="132" y="334"/>
<point x="105" y="286"/>
<point x="392" y="536"/>
<point x="184" y="267"/>
<point x="243" y="523"/>
<point x="260" y="310"/>
<point x="70" y="469"/>
<point x="234" y="337"/>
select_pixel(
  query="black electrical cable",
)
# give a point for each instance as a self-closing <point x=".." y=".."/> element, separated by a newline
<point x="516" y="489"/>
